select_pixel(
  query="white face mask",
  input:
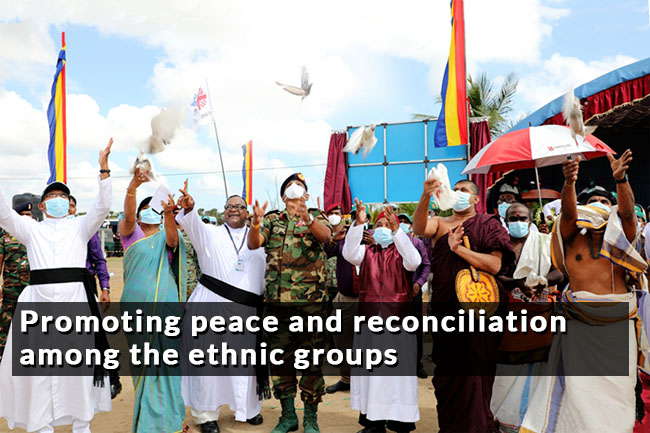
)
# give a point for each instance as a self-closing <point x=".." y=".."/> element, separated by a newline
<point x="334" y="219"/>
<point x="294" y="191"/>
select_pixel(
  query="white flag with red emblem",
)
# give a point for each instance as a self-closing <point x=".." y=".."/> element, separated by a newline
<point x="202" y="107"/>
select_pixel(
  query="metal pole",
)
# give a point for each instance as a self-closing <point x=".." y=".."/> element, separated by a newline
<point x="539" y="190"/>
<point x="216" y="134"/>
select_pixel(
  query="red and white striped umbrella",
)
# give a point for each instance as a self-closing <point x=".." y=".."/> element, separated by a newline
<point x="537" y="146"/>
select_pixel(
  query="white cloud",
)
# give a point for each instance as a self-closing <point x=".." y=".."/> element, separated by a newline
<point x="559" y="74"/>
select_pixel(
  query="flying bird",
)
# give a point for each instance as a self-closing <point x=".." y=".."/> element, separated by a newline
<point x="303" y="90"/>
<point x="163" y="129"/>
<point x="572" y="114"/>
<point x="363" y="137"/>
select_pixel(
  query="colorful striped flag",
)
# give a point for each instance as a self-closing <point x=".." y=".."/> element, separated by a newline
<point x="451" y="128"/>
<point x="247" y="173"/>
<point x="57" y="152"/>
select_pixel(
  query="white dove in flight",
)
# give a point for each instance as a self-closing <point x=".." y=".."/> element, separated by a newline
<point x="363" y="137"/>
<point x="303" y="90"/>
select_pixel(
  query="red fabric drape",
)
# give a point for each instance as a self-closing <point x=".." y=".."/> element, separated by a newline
<point x="607" y="99"/>
<point x="337" y="188"/>
<point x="479" y="133"/>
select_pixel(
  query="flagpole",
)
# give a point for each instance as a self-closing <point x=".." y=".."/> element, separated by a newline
<point x="216" y="134"/>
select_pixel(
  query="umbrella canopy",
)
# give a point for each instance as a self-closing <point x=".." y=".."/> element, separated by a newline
<point x="537" y="146"/>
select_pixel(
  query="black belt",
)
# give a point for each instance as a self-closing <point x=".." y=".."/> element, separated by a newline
<point x="239" y="296"/>
<point x="79" y="275"/>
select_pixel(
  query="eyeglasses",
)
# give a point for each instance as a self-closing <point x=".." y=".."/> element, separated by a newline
<point x="235" y="206"/>
<point x="56" y="194"/>
<point x="523" y="219"/>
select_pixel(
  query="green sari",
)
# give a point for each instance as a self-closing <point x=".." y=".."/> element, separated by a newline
<point x="157" y="287"/>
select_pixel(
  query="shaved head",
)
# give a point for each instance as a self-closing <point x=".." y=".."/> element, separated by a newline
<point x="517" y="207"/>
<point x="468" y="184"/>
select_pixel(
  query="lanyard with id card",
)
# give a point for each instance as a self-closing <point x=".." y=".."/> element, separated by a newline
<point x="239" y="265"/>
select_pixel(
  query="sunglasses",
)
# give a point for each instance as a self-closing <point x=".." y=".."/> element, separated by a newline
<point x="235" y="206"/>
<point x="513" y="219"/>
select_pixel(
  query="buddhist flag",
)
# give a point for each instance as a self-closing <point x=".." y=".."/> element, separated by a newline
<point x="451" y="128"/>
<point x="56" y="152"/>
<point x="247" y="172"/>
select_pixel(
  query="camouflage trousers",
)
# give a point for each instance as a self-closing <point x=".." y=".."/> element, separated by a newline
<point x="9" y="299"/>
<point x="312" y="384"/>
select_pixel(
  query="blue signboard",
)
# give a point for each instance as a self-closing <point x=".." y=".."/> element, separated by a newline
<point x="395" y="169"/>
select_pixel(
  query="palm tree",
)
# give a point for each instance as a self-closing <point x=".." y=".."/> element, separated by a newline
<point x="496" y="105"/>
<point x="487" y="102"/>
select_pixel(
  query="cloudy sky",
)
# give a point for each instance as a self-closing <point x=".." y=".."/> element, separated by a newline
<point x="370" y="61"/>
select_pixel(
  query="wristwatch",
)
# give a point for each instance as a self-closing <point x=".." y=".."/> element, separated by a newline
<point x="107" y="289"/>
<point x="311" y="220"/>
<point x="624" y="180"/>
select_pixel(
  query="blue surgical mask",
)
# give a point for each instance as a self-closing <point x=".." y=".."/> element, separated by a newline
<point x="148" y="216"/>
<point x="601" y="206"/>
<point x="463" y="201"/>
<point x="406" y="228"/>
<point x="518" y="229"/>
<point x="503" y="208"/>
<point x="383" y="236"/>
<point x="70" y="217"/>
<point x="57" y="207"/>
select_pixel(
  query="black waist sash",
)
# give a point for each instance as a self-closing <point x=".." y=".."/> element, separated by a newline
<point x="79" y="275"/>
<point x="249" y="299"/>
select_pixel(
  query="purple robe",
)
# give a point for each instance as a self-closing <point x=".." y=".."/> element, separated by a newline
<point x="465" y="362"/>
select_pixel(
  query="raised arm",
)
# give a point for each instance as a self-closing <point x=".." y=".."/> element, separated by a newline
<point x="126" y="227"/>
<point x="171" y="231"/>
<point x="489" y="262"/>
<point x="624" y="193"/>
<point x="569" y="217"/>
<point x="353" y="252"/>
<point x="189" y="219"/>
<point x="91" y="222"/>
<point x="255" y="236"/>
<point x="422" y="224"/>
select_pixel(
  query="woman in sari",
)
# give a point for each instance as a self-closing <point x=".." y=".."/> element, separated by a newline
<point x="154" y="282"/>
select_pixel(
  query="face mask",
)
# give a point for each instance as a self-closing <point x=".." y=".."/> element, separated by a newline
<point x="148" y="216"/>
<point x="601" y="206"/>
<point x="518" y="229"/>
<point x="406" y="228"/>
<point x="503" y="208"/>
<point x="57" y="207"/>
<point x="334" y="219"/>
<point x="70" y="217"/>
<point x="463" y="201"/>
<point x="294" y="191"/>
<point x="383" y="236"/>
<point x="639" y="226"/>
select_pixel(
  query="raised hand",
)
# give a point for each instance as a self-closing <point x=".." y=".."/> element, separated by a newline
<point x="570" y="170"/>
<point x="620" y="165"/>
<point x="138" y="179"/>
<point x="169" y="206"/>
<point x="303" y="211"/>
<point x="455" y="239"/>
<point x="361" y="212"/>
<point x="103" y="155"/>
<point x="340" y="235"/>
<point x="430" y="186"/>
<point x="258" y="213"/>
<point x="392" y="219"/>
<point x="186" y="201"/>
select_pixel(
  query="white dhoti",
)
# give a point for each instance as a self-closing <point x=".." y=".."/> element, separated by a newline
<point x="594" y="404"/>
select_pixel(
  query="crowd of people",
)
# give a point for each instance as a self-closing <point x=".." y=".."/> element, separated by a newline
<point x="280" y="260"/>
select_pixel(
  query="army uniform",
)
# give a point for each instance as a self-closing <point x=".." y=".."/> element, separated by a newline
<point x="15" y="279"/>
<point x="295" y="285"/>
<point x="193" y="270"/>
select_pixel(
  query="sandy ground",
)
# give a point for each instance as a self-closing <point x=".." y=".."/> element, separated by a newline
<point x="334" y="414"/>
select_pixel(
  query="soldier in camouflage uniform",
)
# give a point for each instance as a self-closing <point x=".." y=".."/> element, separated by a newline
<point x="15" y="274"/>
<point x="295" y="277"/>
<point x="193" y="270"/>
